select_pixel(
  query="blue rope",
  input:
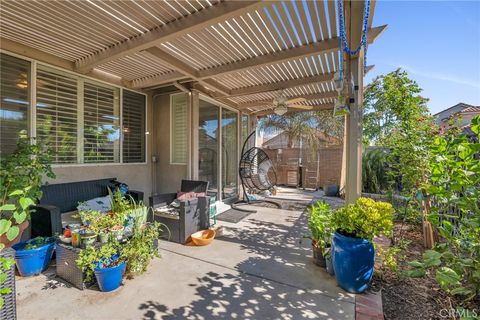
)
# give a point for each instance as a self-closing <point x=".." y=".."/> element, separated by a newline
<point x="343" y="36"/>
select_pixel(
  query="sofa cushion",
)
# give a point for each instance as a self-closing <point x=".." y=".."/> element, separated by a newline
<point x="102" y="204"/>
<point x="182" y="196"/>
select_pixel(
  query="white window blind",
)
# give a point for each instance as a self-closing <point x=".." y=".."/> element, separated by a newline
<point x="14" y="101"/>
<point x="101" y="124"/>
<point x="133" y="121"/>
<point x="178" y="129"/>
<point x="57" y="113"/>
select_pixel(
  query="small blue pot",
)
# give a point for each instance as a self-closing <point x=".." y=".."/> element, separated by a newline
<point x="353" y="260"/>
<point x="32" y="262"/>
<point x="110" y="279"/>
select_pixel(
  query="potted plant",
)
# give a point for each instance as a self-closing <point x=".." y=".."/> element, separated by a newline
<point x="21" y="175"/>
<point x="106" y="263"/>
<point x="101" y="226"/>
<point x="353" y="254"/>
<point x="320" y="232"/>
<point x="33" y="256"/>
<point x="141" y="248"/>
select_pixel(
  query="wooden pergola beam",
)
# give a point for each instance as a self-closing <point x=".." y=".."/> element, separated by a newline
<point x="315" y="48"/>
<point x="314" y="96"/>
<point x="184" y="68"/>
<point x="157" y="80"/>
<point x="280" y="85"/>
<point x="32" y="53"/>
<point x="194" y="22"/>
<point x="329" y="45"/>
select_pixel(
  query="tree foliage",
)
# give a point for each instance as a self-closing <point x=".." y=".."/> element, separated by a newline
<point x="397" y="117"/>
<point x="296" y="125"/>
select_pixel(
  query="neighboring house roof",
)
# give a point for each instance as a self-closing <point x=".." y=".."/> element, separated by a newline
<point x="471" y="109"/>
<point x="454" y="108"/>
<point x="458" y="109"/>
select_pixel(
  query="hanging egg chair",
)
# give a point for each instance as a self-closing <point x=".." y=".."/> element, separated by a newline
<point x="256" y="173"/>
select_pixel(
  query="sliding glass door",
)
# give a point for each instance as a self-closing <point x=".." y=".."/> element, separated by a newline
<point x="229" y="153"/>
<point x="218" y="149"/>
<point x="208" y="135"/>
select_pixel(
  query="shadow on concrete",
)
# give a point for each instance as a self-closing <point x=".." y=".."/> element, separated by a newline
<point x="229" y="296"/>
<point x="279" y="280"/>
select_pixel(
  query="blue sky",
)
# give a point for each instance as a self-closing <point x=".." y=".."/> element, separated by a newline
<point x="436" y="42"/>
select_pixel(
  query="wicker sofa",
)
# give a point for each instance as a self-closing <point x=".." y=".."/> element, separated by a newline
<point x="60" y="198"/>
<point x="193" y="214"/>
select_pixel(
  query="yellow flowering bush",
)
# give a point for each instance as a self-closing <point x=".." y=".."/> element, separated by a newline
<point x="366" y="219"/>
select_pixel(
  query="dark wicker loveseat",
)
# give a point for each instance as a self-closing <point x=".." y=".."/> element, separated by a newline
<point x="193" y="214"/>
<point x="64" y="197"/>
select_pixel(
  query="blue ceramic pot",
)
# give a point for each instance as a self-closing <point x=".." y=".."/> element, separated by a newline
<point x="31" y="262"/>
<point x="353" y="260"/>
<point x="110" y="279"/>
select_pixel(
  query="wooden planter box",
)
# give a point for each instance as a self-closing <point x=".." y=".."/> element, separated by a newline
<point x="9" y="310"/>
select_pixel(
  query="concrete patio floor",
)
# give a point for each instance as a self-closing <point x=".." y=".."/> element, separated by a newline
<point x="260" y="268"/>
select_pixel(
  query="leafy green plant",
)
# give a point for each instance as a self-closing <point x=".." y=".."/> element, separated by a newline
<point x="37" y="243"/>
<point x="455" y="183"/>
<point x="374" y="171"/>
<point x="120" y="203"/>
<point x="89" y="216"/>
<point x="140" y="248"/>
<point x="21" y="175"/>
<point x="320" y="226"/>
<point x="366" y="218"/>
<point x="105" y="257"/>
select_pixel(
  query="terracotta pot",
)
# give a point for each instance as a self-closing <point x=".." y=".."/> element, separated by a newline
<point x="8" y="243"/>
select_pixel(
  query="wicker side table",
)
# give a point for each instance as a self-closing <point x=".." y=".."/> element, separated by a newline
<point x="9" y="310"/>
<point x="67" y="268"/>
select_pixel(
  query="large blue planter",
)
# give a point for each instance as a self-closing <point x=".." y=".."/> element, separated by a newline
<point x="353" y="260"/>
<point x="32" y="262"/>
<point x="110" y="279"/>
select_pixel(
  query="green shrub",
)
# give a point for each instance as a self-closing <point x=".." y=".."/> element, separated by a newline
<point x="366" y="218"/>
<point x="375" y="177"/>
<point x="320" y="226"/>
<point x="455" y="183"/>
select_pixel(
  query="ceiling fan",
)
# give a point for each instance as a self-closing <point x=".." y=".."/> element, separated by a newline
<point x="281" y="104"/>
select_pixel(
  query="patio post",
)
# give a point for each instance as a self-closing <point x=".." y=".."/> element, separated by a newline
<point x="353" y="135"/>
<point x="354" y="69"/>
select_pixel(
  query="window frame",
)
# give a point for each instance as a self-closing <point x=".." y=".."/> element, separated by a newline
<point x="171" y="130"/>
<point x="34" y="63"/>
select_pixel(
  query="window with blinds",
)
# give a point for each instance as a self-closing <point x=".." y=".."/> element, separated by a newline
<point x="77" y="118"/>
<point x="56" y="111"/>
<point x="101" y="123"/>
<point x="178" y="128"/>
<point x="133" y="127"/>
<point x="14" y="101"/>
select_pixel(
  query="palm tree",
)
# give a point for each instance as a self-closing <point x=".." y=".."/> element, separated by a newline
<point x="330" y="125"/>
<point x="296" y="125"/>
